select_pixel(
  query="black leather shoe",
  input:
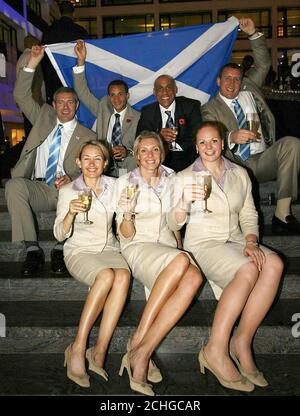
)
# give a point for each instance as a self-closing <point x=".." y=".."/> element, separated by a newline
<point x="57" y="262"/>
<point x="291" y="226"/>
<point x="34" y="259"/>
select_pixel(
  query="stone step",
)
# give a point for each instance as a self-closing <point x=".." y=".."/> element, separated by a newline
<point x="288" y="246"/>
<point x="181" y="377"/>
<point x="266" y="208"/>
<point x="47" y="327"/>
<point x="46" y="219"/>
<point x="41" y="287"/>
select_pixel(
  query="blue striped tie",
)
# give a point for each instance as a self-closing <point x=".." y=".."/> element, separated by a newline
<point x="170" y="122"/>
<point x="244" y="149"/>
<point x="116" y="133"/>
<point x="53" y="156"/>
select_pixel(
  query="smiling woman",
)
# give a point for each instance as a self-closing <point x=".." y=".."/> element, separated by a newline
<point x="244" y="275"/>
<point x="150" y="248"/>
<point x="91" y="254"/>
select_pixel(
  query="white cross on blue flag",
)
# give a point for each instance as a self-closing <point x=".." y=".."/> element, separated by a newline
<point x="192" y="55"/>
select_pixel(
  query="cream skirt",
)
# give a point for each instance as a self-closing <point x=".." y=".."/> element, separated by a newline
<point x="86" y="266"/>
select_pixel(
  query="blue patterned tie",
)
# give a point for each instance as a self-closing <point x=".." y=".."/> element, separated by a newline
<point x="116" y="133"/>
<point x="170" y="122"/>
<point x="244" y="149"/>
<point x="53" y="156"/>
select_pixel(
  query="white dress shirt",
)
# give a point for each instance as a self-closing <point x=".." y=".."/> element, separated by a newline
<point x="248" y="105"/>
<point x="164" y="116"/>
<point x="43" y="150"/>
<point x="112" y="123"/>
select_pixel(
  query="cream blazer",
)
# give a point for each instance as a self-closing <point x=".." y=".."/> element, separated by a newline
<point x="151" y="219"/>
<point x="233" y="212"/>
<point x="233" y="217"/>
<point x="83" y="238"/>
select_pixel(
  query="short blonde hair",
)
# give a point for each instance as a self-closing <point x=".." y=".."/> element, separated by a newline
<point x="102" y="146"/>
<point x="145" y="134"/>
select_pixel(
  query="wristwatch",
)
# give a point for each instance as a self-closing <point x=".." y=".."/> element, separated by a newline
<point x="132" y="216"/>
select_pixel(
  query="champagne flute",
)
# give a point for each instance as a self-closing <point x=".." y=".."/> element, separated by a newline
<point x="205" y="180"/>
<point x="253" y="124"/>
<point x="131" y="190"/>
<point x="85" y="195"/>
<point x="59" y="174"/>
<point x="172" y="145"/>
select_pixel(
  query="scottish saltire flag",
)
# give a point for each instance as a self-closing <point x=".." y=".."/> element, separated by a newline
<point x="192" y="55"/>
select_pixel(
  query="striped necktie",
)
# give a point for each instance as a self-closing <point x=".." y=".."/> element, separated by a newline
<point x="116" y="132"/>
<point x="244" y="149"/>
<point x="53" y="156"/>
<point x="169" y="122"/>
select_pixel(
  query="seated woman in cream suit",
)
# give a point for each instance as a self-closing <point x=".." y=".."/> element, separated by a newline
<point x="244" y="275"/>
<point x="92" y="256"/>
<point x="150" y="249"/>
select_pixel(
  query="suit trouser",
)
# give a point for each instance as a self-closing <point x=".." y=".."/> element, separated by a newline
<point x="281" y="161"/>
<point x="24" y="198"/>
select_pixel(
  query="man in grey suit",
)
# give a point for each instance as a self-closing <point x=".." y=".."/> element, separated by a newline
<point x="267" y="159"/>
<point x="52" y="146"/>
<point x="116" y="119"/>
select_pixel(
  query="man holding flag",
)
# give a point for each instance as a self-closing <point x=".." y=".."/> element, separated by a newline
<point x="52" y="146"/>
<point x="116" y="119"/>
<point x="192" y="56"/>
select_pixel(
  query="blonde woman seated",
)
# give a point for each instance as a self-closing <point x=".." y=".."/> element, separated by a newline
<point x="244" y="275"/>
<point x="92" y="256"/>
<point x="150" y="249"/>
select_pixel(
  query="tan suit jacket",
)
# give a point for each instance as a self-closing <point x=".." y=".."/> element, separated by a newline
<point x="102" y="109"/>
<point x="233" y="217"/>
<point x="84" y="238"/>
<point x="216" y="109"/>
<point x="151" y="221"/>
<point x="153" y="246"/>
<point x="43" y="119"/>
<point x="233" y="212"/>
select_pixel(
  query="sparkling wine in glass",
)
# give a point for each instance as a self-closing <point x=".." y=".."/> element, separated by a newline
<point x="173" y="145"/>
<point x="253" y="124"/>
<point x="85" y="196"/>
<point x="205" y="180"/>
<point x="131" y="189"/>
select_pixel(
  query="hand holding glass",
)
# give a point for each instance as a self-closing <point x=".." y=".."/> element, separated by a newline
<point x="253" y="124"/>
<point x="85" y="196"/>
<point x="172" y="144"/>
<point x="59" y="174"/>
<point x="131" y="190"/>
<point x="205" y="181"/>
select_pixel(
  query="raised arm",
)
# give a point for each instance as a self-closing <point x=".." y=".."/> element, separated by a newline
<point x="80" y="82"/>
<point x="23" y="86"/>
<point x="262" y="58"/>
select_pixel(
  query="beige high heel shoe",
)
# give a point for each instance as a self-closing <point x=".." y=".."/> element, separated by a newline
<point x="154" y="374"/>
<point x="241" y="384"/>
<point x="93" y="366"/>
<point x="84" y="380"/>
<point x="135" y="385"/>
<point x="256" y="377"/>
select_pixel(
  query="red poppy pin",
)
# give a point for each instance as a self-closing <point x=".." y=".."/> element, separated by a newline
<point x="181" y="121"/>
<point x="128" y="120"/>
